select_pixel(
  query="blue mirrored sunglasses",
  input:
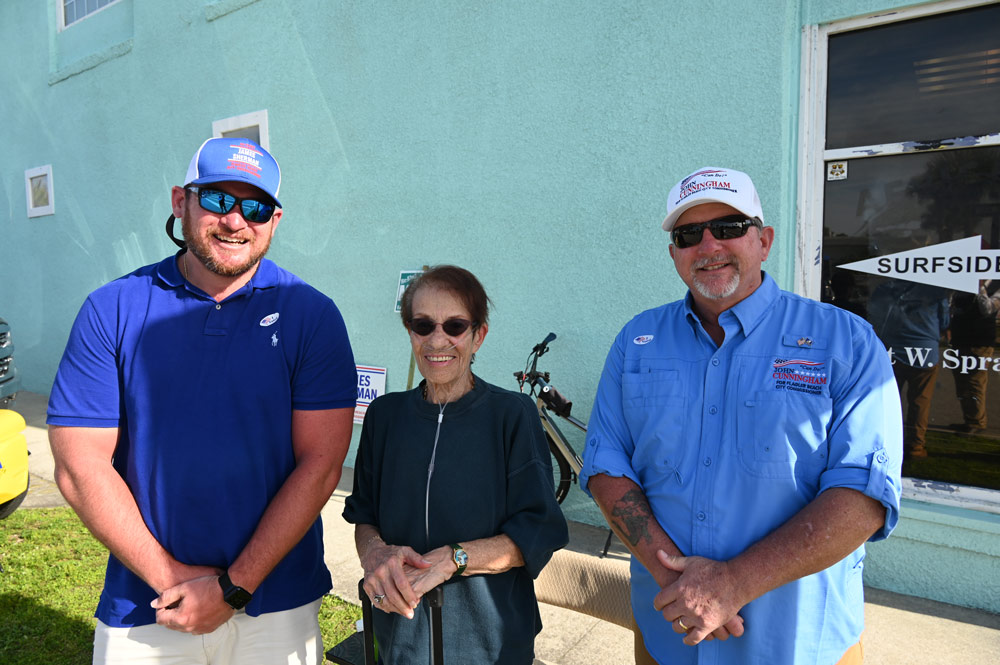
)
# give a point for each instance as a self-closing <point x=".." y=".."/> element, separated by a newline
<point x="221" y="203"/>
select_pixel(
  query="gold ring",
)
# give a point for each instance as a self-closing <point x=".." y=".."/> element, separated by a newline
<point x="680" y="623"/>
<point x="378" y="598"/>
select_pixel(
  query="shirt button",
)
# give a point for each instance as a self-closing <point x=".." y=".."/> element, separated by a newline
<point x="713" y="410"/>
<point x="882" y="457"/>
<point x="708" y="461"/>
<point x="715" y="361"/>
<point x="218" y="306"/>
<point x="701" y="517"/>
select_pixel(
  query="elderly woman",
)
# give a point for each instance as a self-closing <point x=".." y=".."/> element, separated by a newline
<point x="453" y="486"/>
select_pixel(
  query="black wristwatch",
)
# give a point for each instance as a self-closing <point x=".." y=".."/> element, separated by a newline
<point x="235" y="596"/>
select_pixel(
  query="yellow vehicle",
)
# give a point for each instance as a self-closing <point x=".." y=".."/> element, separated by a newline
<point x="10" y="383"/>
<point x="13" y="462"/>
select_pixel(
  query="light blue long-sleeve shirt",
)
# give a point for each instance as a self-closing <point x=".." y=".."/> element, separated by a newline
<point x="730" y="442"/>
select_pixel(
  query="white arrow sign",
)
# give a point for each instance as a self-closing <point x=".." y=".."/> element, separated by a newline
<point x="958" y="265"/>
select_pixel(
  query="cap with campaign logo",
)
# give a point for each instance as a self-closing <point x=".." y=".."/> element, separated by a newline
<point x="235" y="159"/>
<point x="713" y="185"/>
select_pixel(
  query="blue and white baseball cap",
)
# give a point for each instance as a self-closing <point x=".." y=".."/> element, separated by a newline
<point x="711" y="184"/>
<point x="235" y="159"/>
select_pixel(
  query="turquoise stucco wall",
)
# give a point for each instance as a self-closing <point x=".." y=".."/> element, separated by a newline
<point x="827" y="11"/>
<point x="532" y="142"/>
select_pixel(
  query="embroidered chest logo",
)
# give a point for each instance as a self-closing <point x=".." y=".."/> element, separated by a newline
<point x="806" y="376"/>
<point x="274" y="339"/>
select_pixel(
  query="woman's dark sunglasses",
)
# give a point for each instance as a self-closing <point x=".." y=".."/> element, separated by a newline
<point x="723" y="228"/>
<point x="221" y="203"/>
<point x="451" y="327"/>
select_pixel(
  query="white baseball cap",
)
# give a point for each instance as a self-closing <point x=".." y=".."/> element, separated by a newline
<point x="710" y="184"/>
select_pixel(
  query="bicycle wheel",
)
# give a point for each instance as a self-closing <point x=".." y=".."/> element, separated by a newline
<point x="560" y="465"/>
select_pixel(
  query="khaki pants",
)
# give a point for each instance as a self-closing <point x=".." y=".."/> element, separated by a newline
<point x="291" y="637"/>
<point x="971" y="388"/>
<point x="916" y="388"/>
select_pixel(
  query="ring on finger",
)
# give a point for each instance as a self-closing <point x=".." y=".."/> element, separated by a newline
<point x="378" y="598"/>
<point x="680" y="622"/>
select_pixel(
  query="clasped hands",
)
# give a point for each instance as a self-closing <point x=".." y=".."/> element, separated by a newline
<point x="703" y="601"/>
<point x="397" y="577"/>
<point x="195" y="605"/>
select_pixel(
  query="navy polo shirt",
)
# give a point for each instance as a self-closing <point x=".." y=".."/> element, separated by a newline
<point x="203" y="394"/>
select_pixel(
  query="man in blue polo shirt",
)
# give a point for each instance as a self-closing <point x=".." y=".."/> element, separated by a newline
<point x="745" y="443"/>
<point x="199" y="420"/>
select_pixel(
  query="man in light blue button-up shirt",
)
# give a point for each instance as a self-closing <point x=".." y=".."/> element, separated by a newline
<point x="745" y="443"/>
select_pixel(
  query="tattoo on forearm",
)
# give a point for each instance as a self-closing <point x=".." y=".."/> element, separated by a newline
<point x="631" y="515"/>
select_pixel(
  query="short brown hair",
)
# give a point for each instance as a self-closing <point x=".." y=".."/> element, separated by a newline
<point x="457" y="280"/>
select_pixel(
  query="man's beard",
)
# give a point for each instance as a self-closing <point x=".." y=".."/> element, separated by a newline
<point x="199" y="247"/>
<point x="716" y="293"/>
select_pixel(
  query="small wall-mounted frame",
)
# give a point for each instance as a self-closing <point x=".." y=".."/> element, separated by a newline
<point x="247" y="126"/>
<point x="39" y="191"/>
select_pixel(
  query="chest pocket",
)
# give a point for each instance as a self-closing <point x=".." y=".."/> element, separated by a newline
<point x="783" y="434"/>
<point x="655" y="408"/>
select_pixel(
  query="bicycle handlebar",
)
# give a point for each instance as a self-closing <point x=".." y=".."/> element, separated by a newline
<point x="543" y="346"/>
<point x="540" y="380"/>
<point x="553" y="399"/>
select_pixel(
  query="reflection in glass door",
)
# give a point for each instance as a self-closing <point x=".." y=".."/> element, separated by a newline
<point x="896" y="188"/>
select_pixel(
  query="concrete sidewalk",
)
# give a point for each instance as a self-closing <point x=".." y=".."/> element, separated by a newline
<point x="900" y="630"/>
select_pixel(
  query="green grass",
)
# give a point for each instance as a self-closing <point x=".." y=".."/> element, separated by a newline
<point x="953" y="458"/>
<point x="52" y="575"/>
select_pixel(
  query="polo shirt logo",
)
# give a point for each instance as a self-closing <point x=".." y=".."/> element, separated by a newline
<point x="269" y="320"/>
<point x="806" y="376"/>
<point x="642" y="339"/>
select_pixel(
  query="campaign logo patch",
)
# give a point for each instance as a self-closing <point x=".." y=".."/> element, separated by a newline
<point x="691" y="177"/>
<point x="642" y="339"/>
<point x="268" y="320"/>
<point x="245" y="158"/>
<point x="805" y="376"/>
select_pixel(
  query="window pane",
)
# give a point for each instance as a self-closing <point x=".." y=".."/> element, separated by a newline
<point x="70" y="9"/>
<point x="75" y="10"/>
<point x="922" y="80"/>
<point x="252" y="133"/>
<point x="943" y="342"/>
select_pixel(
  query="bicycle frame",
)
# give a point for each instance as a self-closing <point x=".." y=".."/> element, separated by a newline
<point x="549" y="401"/>
<point x="549" y="425"/>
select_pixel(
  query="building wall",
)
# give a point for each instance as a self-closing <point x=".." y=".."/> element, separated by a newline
<point x="533" y="143"/>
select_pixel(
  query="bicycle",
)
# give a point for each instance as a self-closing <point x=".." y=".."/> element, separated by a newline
<point x="549" y="399"/>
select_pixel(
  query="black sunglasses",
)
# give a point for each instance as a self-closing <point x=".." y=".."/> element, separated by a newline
<point x="451" y="327"/>
<point x="221" y="203"/>
<point x="723" y="228"/>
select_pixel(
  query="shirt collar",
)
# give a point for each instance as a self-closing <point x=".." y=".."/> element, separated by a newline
<point x="464" y="403"/>
<point x="748" y="312"/>
<point x="167" y="271"/>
